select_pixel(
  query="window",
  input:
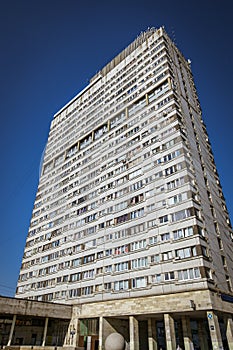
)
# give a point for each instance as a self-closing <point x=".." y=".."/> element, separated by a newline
<point x="122" y="266"/>
<point x="135" y="229"/>
<point x="75" y="277"/>
<point x="140" y="262"/>
<point x="108" y="268"/>
<point x="136" y="186"/>
<point x="163" y="219"/>
<point x="73" y="293"/>
<point x="88" y="258"/>
<point x="186" y="252"/>
<point x="155" y="258"/>
<point x="152" y="223"/>
<point x="99" y="270"/>
<point x="121" y="206"/>
<point x="182" y="214"/>
<point x="183" y="232"/>
<point x="167" y="256"/>
<point x="150" y="193"/>
<point x="137" y="213"/>
<point x="138" y="245"/>
<point x="76" y="262"/>
<point x="100" y="131"/>
<point x="168" y="157"/>
<point x="121" y="285"/>
<point x="90" y="218"/>
<point x="153" y="240"/>
<point x="177" y="199"/>
<point x="108" y="252"/>
<point x="189" y="274"/>
<point x="165" y="237"/>
<point x="156" y="278"/>
<point x="139" y="282"/>
<point x="121" y="192"/>
<point x="121" y="219"/>
<point x="117" y="119"/>
<point x="169" y="276"/>
<point x="87" y="290"/>
<point x="100" y="255"/>
<point x="65" y="278"/>
<point x="136" y="199"/>
<point x="88" y="274"/>
<point x="135" y="173"/>
<point x="205" y="252"/>
<point x="173" y="169"/>
<point x="107" y="286"/>
<point x="209" y="273"/>
<point x="151" y="207"/>
<point x="121" y="250"/>
<point x="146" y="155"/>
<point x="136" y="106"/>
<point x="109" y="223"/>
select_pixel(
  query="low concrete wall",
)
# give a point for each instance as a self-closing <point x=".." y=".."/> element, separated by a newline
<point x="15" y="306"/>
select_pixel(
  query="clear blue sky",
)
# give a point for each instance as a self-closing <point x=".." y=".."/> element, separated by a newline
<point x="49" y="51"/>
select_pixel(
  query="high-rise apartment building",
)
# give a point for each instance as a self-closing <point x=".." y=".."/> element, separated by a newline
<point x="129" y="202"/>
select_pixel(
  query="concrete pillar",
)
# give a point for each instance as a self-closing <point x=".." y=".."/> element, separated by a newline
<point x="72" y="335"/>
<point x="229" y="331"/>
<point x="202" y="336"/>
<point x="133" y="333"/>
<point x="88" y="342"/>
<point x="11" y="331"/>
<point x="126" y="113"/>
<point x="152" y="336"/>
<point x="187" y="334"/>
<point x="45" y="331"/>
<point x="170" y="332"/>
<point x="101" y="333"/>
<point x="215" y="334"/>
<point x="169" y="82"/>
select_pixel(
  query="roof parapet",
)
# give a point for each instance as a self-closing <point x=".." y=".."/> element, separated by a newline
<point x="127" y="51"/>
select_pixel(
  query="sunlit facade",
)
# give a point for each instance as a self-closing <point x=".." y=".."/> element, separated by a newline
<point x="129" y="202"/>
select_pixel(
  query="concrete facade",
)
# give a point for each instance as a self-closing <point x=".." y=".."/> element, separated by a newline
<point x="129" y="224"/>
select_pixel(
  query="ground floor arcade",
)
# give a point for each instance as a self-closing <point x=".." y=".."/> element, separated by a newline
<point x="167" y="331"/>
<point x="193" y="320"/>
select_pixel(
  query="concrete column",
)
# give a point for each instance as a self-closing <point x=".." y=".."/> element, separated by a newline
<point x="88" y="342"/>
<point x="215" y="334"/>
<point x="202" y="336"/>
<point x="11" y="331"/>
<point x="170" y="332"/>
<point x="169" y="82"/>
<point x="187" y="334"/>
<point x="133" y="333"/>
<point x="76" y="328"/>
<point x="152" y="336"/>
<point x="45" y="331"/>
<point x="126" y="113"/>
<point x="109" y="125"/>
<point x="101" y="333"/>
<point x="229" y="331"/>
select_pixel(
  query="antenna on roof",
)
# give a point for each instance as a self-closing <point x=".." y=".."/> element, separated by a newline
<point x="173" y="35"/>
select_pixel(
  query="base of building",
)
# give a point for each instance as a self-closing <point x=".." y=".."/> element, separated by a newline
<point x="200" y="319"/>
